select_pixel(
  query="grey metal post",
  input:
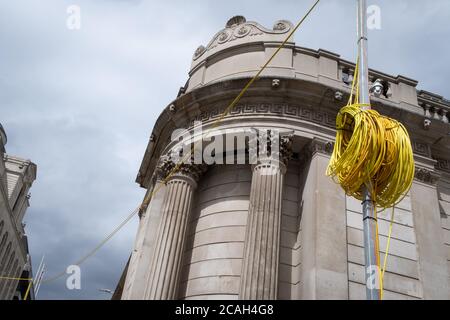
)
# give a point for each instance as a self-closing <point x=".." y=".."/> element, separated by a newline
<point x="369" y="219"/>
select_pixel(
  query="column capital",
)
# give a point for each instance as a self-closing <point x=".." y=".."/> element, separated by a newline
<point x="270" y="167"/>
<point x="286" y="148"/>
<point x="279" y="147"/>
<point x="278" y="159"/>
<point x="167" y="170"/>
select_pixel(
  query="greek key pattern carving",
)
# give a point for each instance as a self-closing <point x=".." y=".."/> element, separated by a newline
<point x="443" y="165"/>
<point x="288" y="110"/>
<point x="421" y="148"/>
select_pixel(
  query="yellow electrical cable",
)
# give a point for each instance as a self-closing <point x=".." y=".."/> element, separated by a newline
<point x="371" y="150"/>
<point x="30" y="282"/>
<point x="386" y="253"/>
<point x="25" y="297"/>
<point x="375" y="152"/>
<point x="12" y="278"/>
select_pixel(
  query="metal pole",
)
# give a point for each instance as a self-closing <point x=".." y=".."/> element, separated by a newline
<point x="369" y="219"/>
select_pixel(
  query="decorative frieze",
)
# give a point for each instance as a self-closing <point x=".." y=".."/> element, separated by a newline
<point x="421" y="148"/>
<point x="237" y="28"/>
<point x="443" y="164"/>
<point x="301" y="112"/>
<point x="426" y="176"/>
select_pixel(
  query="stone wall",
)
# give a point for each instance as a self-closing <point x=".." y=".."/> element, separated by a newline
<point x="444" y="201"/>
<point x="214" y="251"/>
<point x="290" y="264"/>
<point x="401" y="280"/>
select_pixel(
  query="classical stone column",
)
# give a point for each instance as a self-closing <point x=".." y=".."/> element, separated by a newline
<point x="259" y="277"/>
<point x="171" y="237"/>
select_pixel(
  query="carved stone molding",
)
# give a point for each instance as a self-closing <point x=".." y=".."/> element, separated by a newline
<point x="320" y="146"/>
<point x="435" y="107"/>
<point x="236" y="20"/>
<point x="167" y="167"/>
<point x="426" y="176"/>
<point x="301" y="112"/>
<point x="200" y="50"/>
<point x="443" y="164"/>
<point x="286" y="148"/>
<point x="421" y="148"/>
<point x="238" y="27"/>
<point x="283" y="155"/>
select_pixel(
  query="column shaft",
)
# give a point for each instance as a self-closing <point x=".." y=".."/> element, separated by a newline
<point x="167" y="258"/>
<point x="259" y="280"/>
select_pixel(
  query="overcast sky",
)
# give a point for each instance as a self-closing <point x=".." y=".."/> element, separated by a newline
<point x="81" y="104"/>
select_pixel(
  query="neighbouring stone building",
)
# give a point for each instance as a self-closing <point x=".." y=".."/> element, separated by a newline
<point x="16" y="177"/>
<point x="226" y="231"/>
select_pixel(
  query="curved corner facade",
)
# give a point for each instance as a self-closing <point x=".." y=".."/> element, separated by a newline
<point x="230" y="231"/>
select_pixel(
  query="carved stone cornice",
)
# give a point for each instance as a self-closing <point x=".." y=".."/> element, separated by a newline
<point x="426" y="175"/>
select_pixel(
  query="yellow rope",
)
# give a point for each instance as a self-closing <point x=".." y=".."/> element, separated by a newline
<point x="28" y="290"/>
<point x="12" y="278"/>
<point x="371" y="151"/>
<point x="30" y="282"/>
<point x="386" y="253"/>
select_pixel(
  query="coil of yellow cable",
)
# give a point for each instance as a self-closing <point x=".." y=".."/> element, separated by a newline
<point x="371" y="150"/>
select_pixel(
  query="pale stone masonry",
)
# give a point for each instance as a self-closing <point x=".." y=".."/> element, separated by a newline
<point x="259" y="276"/>
<point x="226" y="232"/>
<point x="169" y="247"/>
<point x="16" y="177"/>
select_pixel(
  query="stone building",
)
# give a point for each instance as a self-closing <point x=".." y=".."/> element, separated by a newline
<point x="228" y="231"/>
<point x="16" y="177"/>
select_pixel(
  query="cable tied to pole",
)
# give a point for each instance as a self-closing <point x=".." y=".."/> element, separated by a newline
<point x="375" y="152"/>
<point x="371" y="150"/>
